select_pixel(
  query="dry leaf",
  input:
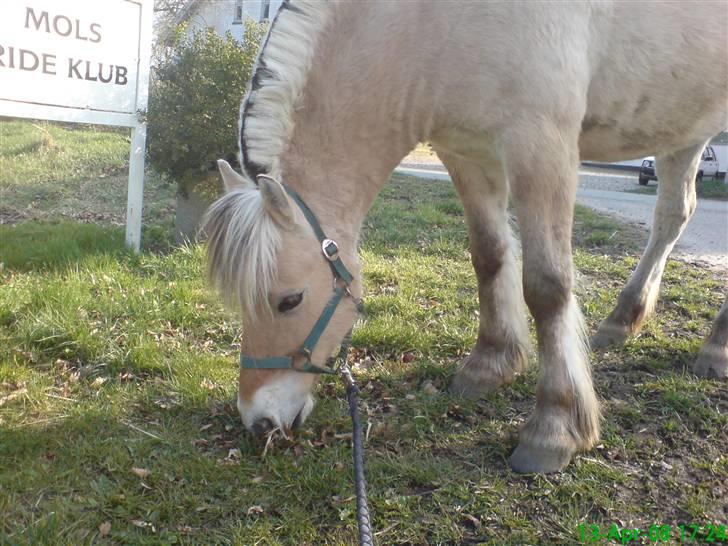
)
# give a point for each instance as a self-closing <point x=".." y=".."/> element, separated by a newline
<point x="12" y="395"/>
<point x="105" y="528"/>
<point x="255" y="510"/>
<point x="140" y="472"/>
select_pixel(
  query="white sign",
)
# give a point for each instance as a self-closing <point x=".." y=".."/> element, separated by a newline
<point x="83" y="61"/>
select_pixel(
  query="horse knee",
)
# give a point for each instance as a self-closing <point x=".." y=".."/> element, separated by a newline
<point x="546" y="291"/>
<point x="488" y="260"/>
<point x="488" y="251"/>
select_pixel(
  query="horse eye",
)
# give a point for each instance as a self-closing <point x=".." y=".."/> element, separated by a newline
<point x="289" y="302"/>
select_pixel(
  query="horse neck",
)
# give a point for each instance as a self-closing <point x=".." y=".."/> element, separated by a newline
<point x="363" y="109"/>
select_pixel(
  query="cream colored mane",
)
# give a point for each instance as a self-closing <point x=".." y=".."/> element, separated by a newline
<point x="243" y="240"/>
<point x="242" y="245"/>
<point x="280" y="74"/>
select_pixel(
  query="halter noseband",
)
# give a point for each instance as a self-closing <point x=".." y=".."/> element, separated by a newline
<point x="330" y="251"/>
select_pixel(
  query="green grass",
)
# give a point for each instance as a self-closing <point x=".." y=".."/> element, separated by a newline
<point x="42" y="152"/>
<point x="709" y="189"/>
<point x="71" y="172"/>
<point x="118" y="379"/>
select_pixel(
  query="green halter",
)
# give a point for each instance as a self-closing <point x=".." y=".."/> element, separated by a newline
<point x="330" y="251"/>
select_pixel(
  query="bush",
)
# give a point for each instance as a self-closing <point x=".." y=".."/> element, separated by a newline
<point x="195" y="99"/>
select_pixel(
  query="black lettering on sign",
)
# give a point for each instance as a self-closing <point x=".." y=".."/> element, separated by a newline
<point x="25" y="55"/>
<point x="61" y="25"/>
<point x="49" y="64"/>
<point x="58" y="23"/>
<point x="38" y="21"/>
<point x="101" y="73"/>
<point x="121" y="78"/>
<point x="2" y="52"/>
<point x="89" y="77"/>
<point x="73" y="69"/>
<point x="78" y="31"/>
<point x="96" y="31"/>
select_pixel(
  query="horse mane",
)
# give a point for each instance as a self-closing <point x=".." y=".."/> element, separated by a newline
<point x="242" y="245"/>
<point x="280" y="74"/>
<point x="242" y="238"/>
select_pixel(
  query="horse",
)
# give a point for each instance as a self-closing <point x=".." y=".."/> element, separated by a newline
<point x="511" y="96"/>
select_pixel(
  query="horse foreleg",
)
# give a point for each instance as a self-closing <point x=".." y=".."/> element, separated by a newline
<point x="543" y="182"/>
<point x="713" y="358"/>
<point x="501" y="350"/>
<point x="675" y="205"/>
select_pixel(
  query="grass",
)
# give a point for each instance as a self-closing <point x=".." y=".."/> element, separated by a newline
<point x="118" y="379"/>
<point x="709" y="189"/>
<point x="89" y="161"/>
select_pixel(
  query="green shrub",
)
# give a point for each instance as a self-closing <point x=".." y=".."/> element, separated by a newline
<point x="195" y="99"/>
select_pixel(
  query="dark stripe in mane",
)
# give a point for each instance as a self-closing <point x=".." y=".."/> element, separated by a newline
<point x="251" y="168"/>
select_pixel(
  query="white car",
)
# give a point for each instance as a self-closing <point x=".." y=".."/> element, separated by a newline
<point x="708" y="167"/>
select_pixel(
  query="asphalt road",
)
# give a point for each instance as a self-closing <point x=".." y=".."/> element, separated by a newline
<point x="705" y="240"/>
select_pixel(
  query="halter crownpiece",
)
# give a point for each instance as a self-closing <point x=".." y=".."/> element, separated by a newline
<point x="330" y="251"/>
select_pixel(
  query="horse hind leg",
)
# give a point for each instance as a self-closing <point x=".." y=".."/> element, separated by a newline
<point x="543" y="174"/>
<point x="501" y="350"/>
<point x="713" y="357"/>
<point x="675" y="205"/>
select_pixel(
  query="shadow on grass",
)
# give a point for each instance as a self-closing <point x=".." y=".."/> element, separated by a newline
<point x="33" y="246"/>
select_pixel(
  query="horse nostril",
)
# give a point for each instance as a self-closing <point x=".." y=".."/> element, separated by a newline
<point x="262" y="426"/>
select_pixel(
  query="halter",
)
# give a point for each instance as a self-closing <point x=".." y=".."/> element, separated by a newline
<point x="341" y="288"/>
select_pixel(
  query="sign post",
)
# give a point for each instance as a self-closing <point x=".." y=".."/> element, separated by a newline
<point x="84" y="61"/>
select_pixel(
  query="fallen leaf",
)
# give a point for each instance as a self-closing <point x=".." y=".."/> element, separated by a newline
<point x="12" y="395"/>
<point x="140" y="472"/>
<point x="105" y="528"/>
<point x="255" y="510"/>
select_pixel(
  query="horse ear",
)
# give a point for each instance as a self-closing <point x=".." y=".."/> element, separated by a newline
<point x="230" y="179"/>
<point x="276" y="200"/>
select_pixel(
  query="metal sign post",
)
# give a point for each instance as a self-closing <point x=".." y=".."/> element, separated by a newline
<point x="83" y="61"/>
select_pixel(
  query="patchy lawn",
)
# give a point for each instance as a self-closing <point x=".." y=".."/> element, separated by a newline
<point x="117" y="387"/>
<point x="73" y="172"/>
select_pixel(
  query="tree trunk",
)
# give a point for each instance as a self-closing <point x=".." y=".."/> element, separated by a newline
<point x="191" y="206"/>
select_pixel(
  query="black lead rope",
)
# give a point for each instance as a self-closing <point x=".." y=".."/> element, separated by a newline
<point x="366" y="538"/>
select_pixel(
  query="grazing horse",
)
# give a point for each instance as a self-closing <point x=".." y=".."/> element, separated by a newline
<point x="511" y="95"/>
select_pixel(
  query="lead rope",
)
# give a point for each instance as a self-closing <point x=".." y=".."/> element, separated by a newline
<point x="366" y="538"/>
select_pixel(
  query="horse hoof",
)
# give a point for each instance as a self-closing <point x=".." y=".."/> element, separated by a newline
<point x="463" y="385"/>
<point x="712" y="362"/>
<point x="609" y="335"/>
<point x="535" y="459"/>
<point x="485" y="370"/>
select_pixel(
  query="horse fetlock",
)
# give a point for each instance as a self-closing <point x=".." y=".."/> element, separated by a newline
<point x="712" y="362"/>
<point x="488" y="368"/>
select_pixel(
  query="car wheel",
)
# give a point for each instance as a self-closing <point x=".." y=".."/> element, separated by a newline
<point x="643" y="181"/>
<point x="699" y="177"/>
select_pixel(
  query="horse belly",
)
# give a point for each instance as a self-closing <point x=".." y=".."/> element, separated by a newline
<point x="658" y="85"/>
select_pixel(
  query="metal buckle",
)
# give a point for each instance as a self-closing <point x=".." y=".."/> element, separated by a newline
<point x="326" y="244"/>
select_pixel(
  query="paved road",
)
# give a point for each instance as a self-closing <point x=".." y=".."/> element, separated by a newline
<point x="705" y="239"/>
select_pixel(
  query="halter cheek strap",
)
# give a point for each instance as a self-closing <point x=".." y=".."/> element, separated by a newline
<point x="341" y="275"/>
